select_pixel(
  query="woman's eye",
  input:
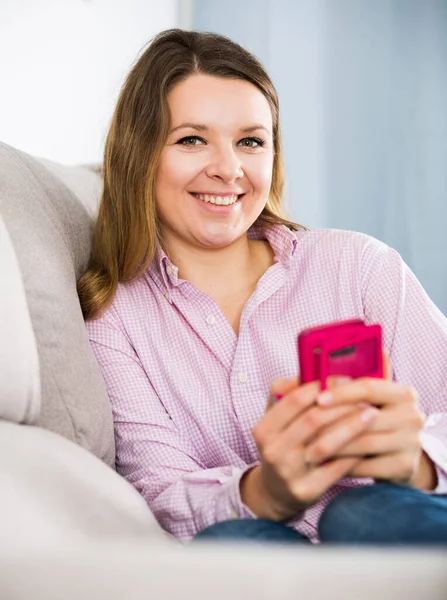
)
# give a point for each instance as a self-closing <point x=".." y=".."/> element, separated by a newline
<point x="191" y="140"/>
<point x="251" y="142"/>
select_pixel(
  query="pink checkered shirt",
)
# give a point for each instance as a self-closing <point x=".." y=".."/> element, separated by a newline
<point x="186" y="391"/>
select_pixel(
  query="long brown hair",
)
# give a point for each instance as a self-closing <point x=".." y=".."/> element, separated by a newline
<point x="127" y="227"/>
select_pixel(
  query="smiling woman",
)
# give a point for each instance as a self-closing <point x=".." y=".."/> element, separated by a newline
<point x="197" y="289"/>
<point x="197" y="116"/>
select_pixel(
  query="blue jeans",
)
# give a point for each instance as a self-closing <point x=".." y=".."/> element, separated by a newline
<point x="378" y="514"/>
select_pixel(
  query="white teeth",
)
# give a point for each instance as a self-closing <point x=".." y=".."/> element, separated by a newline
<point x="219" y="200"/>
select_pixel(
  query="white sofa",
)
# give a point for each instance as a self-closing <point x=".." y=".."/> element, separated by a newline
<point x="70" y="526"/>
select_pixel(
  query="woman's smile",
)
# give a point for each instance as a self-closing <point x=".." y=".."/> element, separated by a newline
<point x="218" y="204"/>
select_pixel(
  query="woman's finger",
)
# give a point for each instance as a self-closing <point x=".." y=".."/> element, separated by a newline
<point x="281" y="387"/>
<point x="316" y="481"/>
<point x="310" y="423"/>
<point x="379" y="392"/>
<point x="335" y="436"/>
<point x="285" y="386"/>
<point x="398" y="467"/>
<point x="397" y="417"/>
<point x="293" y="403"/>
<point x="370" y="444"/>
<point x="287" y="409"/>
<point x="287" y="447"/>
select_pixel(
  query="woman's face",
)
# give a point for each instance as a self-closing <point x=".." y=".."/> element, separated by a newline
<point x="216" y="167"/>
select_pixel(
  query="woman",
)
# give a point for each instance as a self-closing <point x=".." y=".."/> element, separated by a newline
<point x="196" y="291"/>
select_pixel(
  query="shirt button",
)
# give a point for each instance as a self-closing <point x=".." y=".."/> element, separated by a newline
<point x="210" y="319"/>
<point x="234" y="514"/>
<point x="169" y="270"/>
<point x="243" y="377"/>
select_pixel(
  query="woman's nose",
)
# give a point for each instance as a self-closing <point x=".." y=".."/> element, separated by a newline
<point x="225" y="166"/>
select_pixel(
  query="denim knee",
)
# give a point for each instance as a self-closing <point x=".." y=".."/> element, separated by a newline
<point x="254" y="530"/>
<point x="385" y="514"/>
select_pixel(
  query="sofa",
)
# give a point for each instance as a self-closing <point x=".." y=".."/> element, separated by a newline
<point x="71" y="527"/>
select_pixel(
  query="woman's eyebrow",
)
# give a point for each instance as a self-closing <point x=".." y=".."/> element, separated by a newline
<point x="200" y="127"/>
<point x="255" y="127"/>
<point x="196" y="126"/>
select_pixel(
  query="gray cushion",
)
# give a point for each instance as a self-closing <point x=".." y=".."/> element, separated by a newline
<point x="51" y="231"/>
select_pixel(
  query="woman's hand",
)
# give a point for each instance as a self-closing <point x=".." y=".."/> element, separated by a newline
<point x="284" y="483"/>
<point x="391" y="448"/>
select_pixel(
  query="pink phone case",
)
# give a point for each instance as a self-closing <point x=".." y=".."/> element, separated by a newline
<point x="348" y="348"/>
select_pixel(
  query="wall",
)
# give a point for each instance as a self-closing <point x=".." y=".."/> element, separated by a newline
<point x="363" y="94"/>
<point x="62" y="63"/>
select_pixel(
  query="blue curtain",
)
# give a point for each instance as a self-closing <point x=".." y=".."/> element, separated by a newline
<point x="363" y="92"/>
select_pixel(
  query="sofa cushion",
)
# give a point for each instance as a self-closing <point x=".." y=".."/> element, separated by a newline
<point x="56" y="492"/>
<point x="19" y="372"/>
<point x="51" y="230"/>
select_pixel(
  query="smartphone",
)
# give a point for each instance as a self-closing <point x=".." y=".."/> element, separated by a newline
<point x="350" y="348"/>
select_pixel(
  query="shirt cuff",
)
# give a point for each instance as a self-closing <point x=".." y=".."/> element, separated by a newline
<point x="436" y="450"/>
<point x="241" y="510"/>
<point x="224" y="502"/>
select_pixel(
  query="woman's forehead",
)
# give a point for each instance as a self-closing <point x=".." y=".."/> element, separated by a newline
<point x="211" y="101"/>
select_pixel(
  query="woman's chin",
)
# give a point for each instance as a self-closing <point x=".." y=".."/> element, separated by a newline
<point x="217" y="241"/>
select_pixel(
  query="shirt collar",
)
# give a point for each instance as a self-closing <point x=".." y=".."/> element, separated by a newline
<point x="282" y="240"/>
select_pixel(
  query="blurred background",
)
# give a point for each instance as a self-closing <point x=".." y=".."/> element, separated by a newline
<point x="362" y="86"/>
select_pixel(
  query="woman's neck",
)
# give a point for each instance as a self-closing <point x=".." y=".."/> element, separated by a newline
<point x="228" y="275"/>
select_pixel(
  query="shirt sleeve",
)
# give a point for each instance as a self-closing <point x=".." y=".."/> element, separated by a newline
<point x="415" y="334"/>
<point x="151" y="453"/>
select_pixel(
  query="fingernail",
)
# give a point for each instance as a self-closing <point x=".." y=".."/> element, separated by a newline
<point x="325" y="398"/>
<point x="368" y="414"/>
